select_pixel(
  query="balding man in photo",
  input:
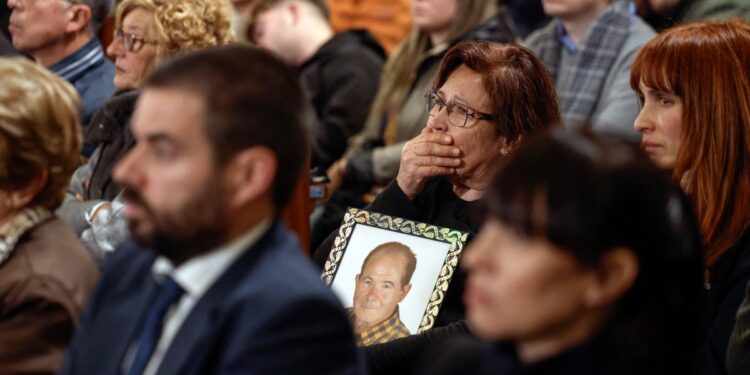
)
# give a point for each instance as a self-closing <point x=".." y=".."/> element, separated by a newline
<point x="383" y="282"/>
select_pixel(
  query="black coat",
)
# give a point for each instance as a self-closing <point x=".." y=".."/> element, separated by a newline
<point x="732" y="274"/>
<point x="468" y="355"/>
<point x="360" y="175"/>
<point x="110" y="131"/>
<point x="418" y="354"/>
<point x="738" y="352"/>
<point x="341" y="80"/>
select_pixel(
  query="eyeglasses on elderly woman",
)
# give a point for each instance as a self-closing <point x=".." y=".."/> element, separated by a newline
<point x="132" y="42"/>
<point x="458" y="114"/>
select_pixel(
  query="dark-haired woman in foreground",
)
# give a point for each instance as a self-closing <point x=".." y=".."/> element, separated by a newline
<point x="589" y="262"/>
<point x="694" y="84"/>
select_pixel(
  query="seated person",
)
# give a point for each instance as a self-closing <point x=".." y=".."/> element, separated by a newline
<point x="46" y="275"/>
<point x="695" y="124"/>
<point x="147" y="32"/>
<point x="339" y="73"/>
<point x="589" y="48"/>
<point x="62" y="36"/>
<point x="558" y="284"/>
<point x="398" y="113"/>
<point x="486" y="100"/>
<point x="214" y="283"/>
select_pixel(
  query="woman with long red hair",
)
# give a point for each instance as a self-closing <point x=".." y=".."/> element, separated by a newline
<point x="694" y="85"/>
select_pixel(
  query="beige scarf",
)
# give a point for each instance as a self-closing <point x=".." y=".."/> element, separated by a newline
<point x="12" y="231"/>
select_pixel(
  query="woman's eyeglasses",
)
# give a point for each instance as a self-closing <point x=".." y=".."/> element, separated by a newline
<point x="132" y="42"/>
<point x="458" y="114"/>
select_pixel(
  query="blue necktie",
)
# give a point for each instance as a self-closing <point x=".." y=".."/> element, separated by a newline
<point x="151" y="332"/>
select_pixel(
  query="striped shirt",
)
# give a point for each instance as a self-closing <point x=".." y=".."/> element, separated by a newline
<point x="92" y="75"/>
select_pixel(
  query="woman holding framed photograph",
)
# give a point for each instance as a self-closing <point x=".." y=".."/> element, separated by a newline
<point x="398" y="113"/>
<point x="486" y="99"/>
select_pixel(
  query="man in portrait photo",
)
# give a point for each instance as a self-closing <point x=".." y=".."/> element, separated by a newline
<point x="383" y="282"/>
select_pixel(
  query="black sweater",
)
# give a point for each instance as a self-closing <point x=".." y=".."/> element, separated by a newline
<point x="731" y="276"/>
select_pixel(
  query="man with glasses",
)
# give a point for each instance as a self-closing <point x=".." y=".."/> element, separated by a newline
<point x="60" y="35"/>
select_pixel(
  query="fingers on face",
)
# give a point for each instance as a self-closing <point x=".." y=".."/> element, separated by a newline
<point x="433" y="170"/>
<point x="435" y="149"/>
<point x="430" y="136"/>
<point x="437" y="161"/>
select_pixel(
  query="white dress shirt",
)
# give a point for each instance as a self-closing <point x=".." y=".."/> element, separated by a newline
<point x="194" y="276"/>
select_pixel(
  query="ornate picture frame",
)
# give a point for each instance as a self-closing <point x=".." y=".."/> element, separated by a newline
<point x="435" y="250"/>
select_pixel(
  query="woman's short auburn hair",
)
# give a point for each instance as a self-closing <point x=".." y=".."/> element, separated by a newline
<point x="521" y="92"/>
<point x="707" y="65"/>
<point x="184" y="25"/>
<point x="39" y="130"/>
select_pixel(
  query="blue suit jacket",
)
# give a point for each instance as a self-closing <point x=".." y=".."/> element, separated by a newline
<point x="269" y="313"/>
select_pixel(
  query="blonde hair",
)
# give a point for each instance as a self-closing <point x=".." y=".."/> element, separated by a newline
<point x="400" y="70"/>
<point x="39" y="129"/>
<point x="183" y="25"/>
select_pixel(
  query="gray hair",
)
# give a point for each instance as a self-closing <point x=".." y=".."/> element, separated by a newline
<point x="99" y="11"/>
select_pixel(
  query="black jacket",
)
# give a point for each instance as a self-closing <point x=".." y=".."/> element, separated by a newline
<point x="418" y="354"/>
<point x="738" y="353"/>
<point x="341" y="80"/>
<point x="110" y="131"/>
<point x="468" y="355"/>
<point x="732" y="274"/>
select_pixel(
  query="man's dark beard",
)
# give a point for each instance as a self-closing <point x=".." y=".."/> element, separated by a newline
<point x="198" y="227"/>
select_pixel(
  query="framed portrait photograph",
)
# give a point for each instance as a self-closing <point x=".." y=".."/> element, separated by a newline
<point x="391" y="274"/>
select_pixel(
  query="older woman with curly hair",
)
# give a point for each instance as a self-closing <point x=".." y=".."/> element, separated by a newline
<point x="46" y="275"/>
<point x="147" y="32"/>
